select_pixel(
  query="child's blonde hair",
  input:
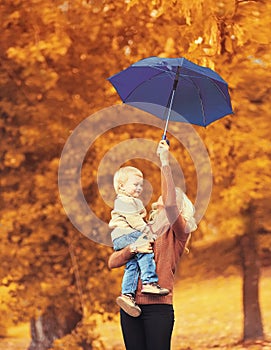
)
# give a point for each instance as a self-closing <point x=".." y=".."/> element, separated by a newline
<point x="122" y="175"/>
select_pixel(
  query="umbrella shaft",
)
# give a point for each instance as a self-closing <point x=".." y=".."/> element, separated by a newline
<point x="168" y="115"/>
<point x="164" y="137"/>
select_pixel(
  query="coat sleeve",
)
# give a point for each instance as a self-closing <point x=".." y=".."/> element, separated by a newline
<point x="119" y="258"/>
<point x="174" y="216"/>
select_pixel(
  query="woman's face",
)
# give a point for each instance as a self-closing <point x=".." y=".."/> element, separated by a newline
<point x="133" y="186"/>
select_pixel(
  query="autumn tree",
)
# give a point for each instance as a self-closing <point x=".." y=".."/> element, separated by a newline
<point x="232" y="37"/>
<point x="42" y="100"/>
<point x="242" y="159"/>
<point x="55" y="58"/>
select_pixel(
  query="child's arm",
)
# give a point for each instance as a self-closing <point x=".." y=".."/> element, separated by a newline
<point x="133" y="211"/>
<point x="137" y="223"/>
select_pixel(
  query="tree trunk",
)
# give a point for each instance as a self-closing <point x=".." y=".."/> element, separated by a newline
<point x="253" y="327"/>
<point x="53" y="324"/>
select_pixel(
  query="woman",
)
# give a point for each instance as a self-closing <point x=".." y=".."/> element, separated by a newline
<point x="152" y="330"/>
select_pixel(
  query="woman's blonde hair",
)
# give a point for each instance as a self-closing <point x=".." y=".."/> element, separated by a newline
<point x="186" y="208"/>
<point x="122" y="175"/>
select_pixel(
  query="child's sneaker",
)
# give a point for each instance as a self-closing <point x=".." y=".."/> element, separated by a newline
<point x="154" y="288"/>
<point x="128" y="304"/>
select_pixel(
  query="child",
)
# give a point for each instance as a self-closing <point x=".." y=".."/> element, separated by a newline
<point x="128" y="225"/>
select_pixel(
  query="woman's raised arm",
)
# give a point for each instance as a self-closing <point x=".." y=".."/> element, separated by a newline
<point x="174" y="216"/>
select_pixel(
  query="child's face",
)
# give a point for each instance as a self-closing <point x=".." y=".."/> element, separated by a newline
<point x="133" y="186"/>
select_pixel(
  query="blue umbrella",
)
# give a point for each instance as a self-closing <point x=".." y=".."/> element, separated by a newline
<point x="174" y="89"/>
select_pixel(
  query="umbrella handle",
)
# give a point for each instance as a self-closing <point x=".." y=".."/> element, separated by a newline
<point x="170" y="102"/>
<point x="164" y="138"/>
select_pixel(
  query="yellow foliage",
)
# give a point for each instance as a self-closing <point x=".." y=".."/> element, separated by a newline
<point x="54" y="47"/>
<point x="254" y="19"/>
<point x="13" y="160"/>
<point x="131" y="3"/>
<point x="29" y="135"/>
<point x="56" y="58"/>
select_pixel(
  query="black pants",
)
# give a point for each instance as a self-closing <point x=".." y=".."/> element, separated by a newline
<point x="152" y="330"/>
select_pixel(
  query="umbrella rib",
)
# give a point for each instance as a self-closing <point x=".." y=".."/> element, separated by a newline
<point x="161" y="71"/>
<point x="202" y="97"/>
<point x="211" y="80"/>
<point x="201" y="100"/>
<point x="218" y="88"/>
<point x="201" y="103"/>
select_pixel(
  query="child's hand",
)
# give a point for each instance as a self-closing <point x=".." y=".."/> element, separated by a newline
<point x="163" y="151"/>
<point x="144" y="245"/>
<point x="145" y="248"/>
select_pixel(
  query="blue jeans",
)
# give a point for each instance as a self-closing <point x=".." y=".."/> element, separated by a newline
<point x="141" y="264"/>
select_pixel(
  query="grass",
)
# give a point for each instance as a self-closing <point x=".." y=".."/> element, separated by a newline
<point x="18" y="338"/>
<point x="208" y="302"/>
<point x="208" y="314"/>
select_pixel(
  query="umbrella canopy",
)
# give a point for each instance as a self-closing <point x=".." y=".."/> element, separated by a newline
<point x="175" y="89"/>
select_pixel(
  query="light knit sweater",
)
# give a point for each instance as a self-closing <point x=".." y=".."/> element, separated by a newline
<point x="127" y="216"/>
<point x="168" y="247"/>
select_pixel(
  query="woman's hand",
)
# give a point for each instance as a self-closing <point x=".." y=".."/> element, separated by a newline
<point x="163" y="152"/>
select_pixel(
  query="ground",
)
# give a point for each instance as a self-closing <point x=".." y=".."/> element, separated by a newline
<point x="208" y="315"/>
